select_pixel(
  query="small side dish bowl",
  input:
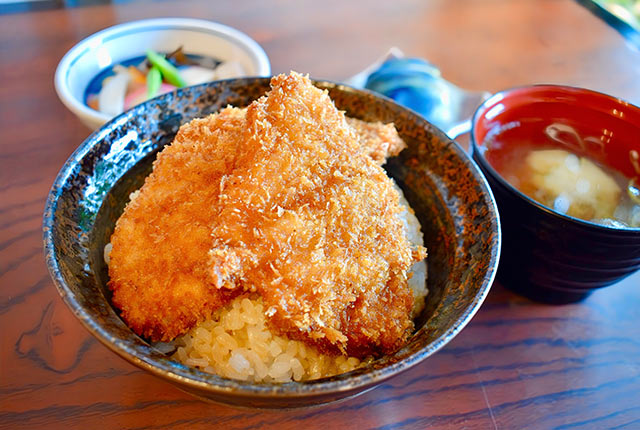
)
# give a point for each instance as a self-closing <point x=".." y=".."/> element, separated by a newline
<point x="443" y="185"/>
<point x="548" y="255"/>
<point x="123" y="42"/>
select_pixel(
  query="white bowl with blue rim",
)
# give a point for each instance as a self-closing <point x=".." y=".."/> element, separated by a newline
<point x="114" y="45"/>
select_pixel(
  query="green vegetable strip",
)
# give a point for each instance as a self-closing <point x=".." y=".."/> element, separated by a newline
<point x="154" y="80"/>
<point x="168" y="71"/>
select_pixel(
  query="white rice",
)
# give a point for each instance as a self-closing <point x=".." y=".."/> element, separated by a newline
<point x="236" y="343"/>
<point x="418" y="280"/>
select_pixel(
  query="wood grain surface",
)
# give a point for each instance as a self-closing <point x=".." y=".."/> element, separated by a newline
<point x="517" y="365"/>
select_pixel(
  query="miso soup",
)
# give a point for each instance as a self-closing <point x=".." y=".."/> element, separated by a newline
<point x="554" y="169"/>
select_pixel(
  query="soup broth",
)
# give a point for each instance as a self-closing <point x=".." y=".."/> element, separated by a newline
<point x="556" y="171"/>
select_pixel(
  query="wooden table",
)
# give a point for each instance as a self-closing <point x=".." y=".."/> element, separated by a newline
<point x="517" y="365"/>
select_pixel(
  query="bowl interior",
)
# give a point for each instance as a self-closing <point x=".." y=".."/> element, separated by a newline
<point x="446" y="190"/>
<point x="606" y="128"/>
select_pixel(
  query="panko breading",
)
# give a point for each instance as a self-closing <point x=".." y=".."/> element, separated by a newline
<point x="282" y="200"/>
<point x="378" y="140"/>
<point x="158" y="264"/>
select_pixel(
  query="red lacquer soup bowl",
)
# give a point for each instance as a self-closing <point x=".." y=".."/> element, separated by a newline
<point x="549" y="253"/>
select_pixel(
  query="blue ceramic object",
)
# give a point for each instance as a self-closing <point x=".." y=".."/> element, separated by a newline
<point x="418" y="85"/>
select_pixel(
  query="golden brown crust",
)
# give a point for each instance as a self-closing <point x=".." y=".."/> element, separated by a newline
<point x="310" y="222"/>
<point x="281" y="200"/>
<point x="380" y="141"/>
<point x="157" y="270"/>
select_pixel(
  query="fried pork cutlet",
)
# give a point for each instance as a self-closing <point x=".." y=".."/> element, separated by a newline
<point x="158" y="262"/>
<point x="310" y="221"/>
<point x="378" y="140"/>
<point x="282" y="200"/>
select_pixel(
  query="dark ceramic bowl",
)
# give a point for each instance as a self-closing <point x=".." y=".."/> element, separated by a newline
<point x="549" y="256"/>
<point x="446" y="189"/>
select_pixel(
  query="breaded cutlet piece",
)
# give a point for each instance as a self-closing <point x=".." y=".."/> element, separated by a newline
<point x="310" y="222"/>
<point x="380" y="141"/>
<point x="158" y="262"/>
<point x="160" y="271"/>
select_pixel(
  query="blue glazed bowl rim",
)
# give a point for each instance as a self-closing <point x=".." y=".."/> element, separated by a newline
<point x="213" y="383"/>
